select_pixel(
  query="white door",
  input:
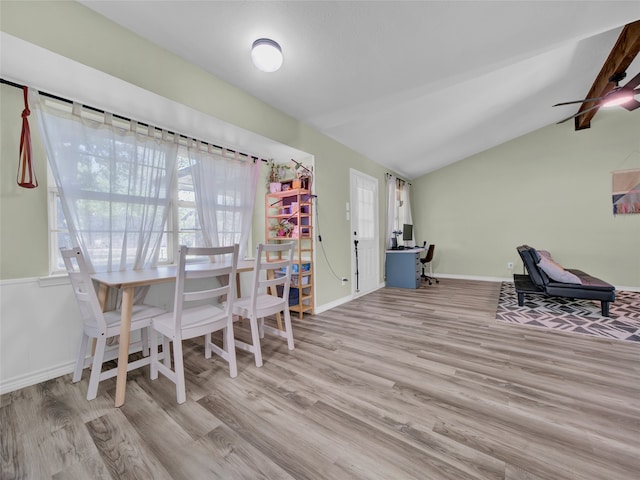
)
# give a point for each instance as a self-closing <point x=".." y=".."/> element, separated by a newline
<point x="365" y="259"/>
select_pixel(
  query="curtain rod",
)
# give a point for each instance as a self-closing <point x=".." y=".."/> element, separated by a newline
<point x="66" y="100"/>
<point x="398" y="178"/>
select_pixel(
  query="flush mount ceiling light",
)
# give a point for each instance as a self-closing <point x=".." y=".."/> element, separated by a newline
<point x="266" y="55"/>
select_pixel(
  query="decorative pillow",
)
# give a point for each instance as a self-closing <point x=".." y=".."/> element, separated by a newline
<point x="556" y="272"/>
<point x="538" y="254"/>
<point x="544" y="253"/>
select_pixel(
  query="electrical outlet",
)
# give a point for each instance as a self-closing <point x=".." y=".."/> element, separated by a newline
<point x="510" y="265"/>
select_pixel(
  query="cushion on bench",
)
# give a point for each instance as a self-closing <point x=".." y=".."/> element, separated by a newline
<point x="589" y="282"/>
<point x="556" y="272"/>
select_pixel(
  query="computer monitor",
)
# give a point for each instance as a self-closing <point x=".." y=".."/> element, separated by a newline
<point x="407" y="232"/>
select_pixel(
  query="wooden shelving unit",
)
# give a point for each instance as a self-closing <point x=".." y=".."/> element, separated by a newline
<point x="295" y="208"/>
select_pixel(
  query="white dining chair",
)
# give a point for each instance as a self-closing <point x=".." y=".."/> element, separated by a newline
<point x="264" y="300"/>
<point x="204" y="295"/>
<point x="100" y="325"/>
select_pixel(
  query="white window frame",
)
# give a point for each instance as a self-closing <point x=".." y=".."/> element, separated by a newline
<point x="56" y="267"/>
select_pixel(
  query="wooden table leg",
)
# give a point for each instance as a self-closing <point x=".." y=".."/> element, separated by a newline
<point x="238" y="287"/>
<point x="123" y="350"/>
<point x="273" y="291"/>
<point x="103" y="295"/>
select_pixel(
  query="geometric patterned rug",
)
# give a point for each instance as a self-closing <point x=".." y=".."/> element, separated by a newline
<point x="573" y="315"/>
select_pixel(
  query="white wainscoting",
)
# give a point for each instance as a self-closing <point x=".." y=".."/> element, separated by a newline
<point x="40" y="327"/>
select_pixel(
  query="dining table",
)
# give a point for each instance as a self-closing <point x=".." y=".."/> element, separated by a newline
<point x="127" y="281"/>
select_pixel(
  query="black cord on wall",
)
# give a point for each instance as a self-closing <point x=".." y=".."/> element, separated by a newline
<point x="319" y="237"/>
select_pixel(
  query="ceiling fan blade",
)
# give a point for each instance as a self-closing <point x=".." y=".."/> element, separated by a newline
<point x="579" y="113"/>
<point x="633" y="83"/>
<point x="579" y="101"/>
<point x="631" y="105"/>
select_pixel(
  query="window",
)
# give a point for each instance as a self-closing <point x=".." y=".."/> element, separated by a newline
<point x="189" y="231"/>
<point x="58" y="230"/>
<point x="366" y="211"/>
<point x="184" y="215"/>
<point x="402" y="211"/>
<point x="121" y="180"/>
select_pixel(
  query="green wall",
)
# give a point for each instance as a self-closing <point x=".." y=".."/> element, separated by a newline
<point x="72" y="30"/>
<point x="550" y="189"/>
<point x="23" y="212"/>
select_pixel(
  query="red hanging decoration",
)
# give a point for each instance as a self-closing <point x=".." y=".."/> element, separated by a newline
<point x="26" y="176"/>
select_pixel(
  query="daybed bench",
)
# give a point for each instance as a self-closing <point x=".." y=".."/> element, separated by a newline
<point x="546" y="277"/>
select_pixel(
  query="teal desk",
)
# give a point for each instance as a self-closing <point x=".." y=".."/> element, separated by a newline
<point x="402" y="268"/>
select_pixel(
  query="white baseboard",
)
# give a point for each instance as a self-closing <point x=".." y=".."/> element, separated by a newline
<point x="628" y="289"/>
<point x="473" y="277"/>
<point x="27" y="380"/>
<point x="334" y="304"/>
<point x="343" y="300"/>
<point x="33" y="378"/>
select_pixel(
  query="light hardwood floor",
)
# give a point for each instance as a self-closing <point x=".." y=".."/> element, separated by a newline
<point x="397" y="384"/>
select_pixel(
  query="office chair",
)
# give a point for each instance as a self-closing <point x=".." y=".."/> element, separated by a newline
<point x="427" y="259"/>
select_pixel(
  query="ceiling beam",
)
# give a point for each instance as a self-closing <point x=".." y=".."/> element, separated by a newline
<point x="623" y="53"/>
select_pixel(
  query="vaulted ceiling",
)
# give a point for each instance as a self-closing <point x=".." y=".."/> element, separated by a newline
<point x="413" y="85"/>
<point x="611" y="74"/>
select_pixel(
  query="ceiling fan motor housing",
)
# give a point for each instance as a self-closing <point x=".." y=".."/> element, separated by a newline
<point x="617" y="77"/>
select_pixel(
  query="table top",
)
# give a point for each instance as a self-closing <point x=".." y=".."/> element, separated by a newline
<point x="407" y="250"/>
<point x="150" y="276"/>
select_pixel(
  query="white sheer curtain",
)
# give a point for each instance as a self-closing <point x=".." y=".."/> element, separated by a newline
<point x="115" y="183"/>
<point x="406" y="207"/>
<point x="225" y="191"/>
<point x="391" y="208"/>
